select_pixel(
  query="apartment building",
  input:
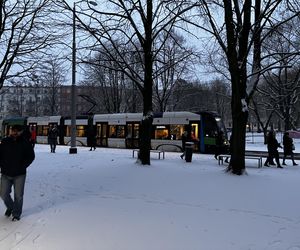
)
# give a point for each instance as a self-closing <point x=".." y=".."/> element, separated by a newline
<point x="35" y="100"/>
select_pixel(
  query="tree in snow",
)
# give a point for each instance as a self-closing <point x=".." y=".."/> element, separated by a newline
<point x="136" y="25"/>
<point x="241" y="34"/>
<point x="24" y="31"/>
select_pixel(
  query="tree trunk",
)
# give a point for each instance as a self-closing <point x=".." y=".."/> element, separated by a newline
<point x="146" y="125"/>
<point x="145" y="129"/>
<point x="145" y="140"/>
<point x="239" y="109"/>
<point x="237" y="161"/>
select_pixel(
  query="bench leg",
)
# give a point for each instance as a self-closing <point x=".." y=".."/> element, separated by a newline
<point x="220" y="160"/>
<point x="260" y="162"/>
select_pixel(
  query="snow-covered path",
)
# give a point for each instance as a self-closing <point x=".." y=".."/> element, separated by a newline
<point x="104" y="200"/>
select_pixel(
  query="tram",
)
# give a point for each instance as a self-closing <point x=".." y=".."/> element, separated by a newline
<point x="122" y="130"/>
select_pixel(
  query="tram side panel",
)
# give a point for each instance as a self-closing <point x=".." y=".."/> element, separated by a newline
<point x="81" y="131"/>
<point x="41" y="125"/>
<point x="122" y="130"/>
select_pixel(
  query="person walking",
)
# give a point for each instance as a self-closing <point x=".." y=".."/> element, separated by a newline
<point x="52" y="137"/>
<point x="272" y="145"/>
<point x="183" y="142"/>
<point x="33" y="136"/>
<point x="220" y="148"/>
<point x="91" y="139"/>
<point x="288" y="147"/>
<point x="16" y="155"/>
<point x="229" y="149"/>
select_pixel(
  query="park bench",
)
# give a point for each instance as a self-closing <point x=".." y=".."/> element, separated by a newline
<point x="158" y="152"/>
<point x="250" y="157"/>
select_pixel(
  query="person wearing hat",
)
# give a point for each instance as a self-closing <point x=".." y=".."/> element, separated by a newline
<point x="16" y="154"/>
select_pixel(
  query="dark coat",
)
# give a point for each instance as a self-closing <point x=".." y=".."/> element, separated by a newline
<point x="52" y="135"/>
<point x="273" y="145"/>
<point x="287" y="145"/>
<point x="183" y="140"/>
<point x="221" y="148"/>
<point x="15" y="156"/>
<point x="91" y="138"/>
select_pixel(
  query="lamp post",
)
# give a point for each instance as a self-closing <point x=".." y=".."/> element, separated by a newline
<point x="73" y="149"/>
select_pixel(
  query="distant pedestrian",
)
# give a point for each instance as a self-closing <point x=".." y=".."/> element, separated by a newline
<point x="288" y="147"/>
<point x="183" y="142"/>
<point x="220" y="144"/>
<point x="91" y="139"/>
<point x="33" y="136"/>
<point x="52" y="137"/>
<point x="230" y="149"/>
<point x="16" y="154"/>
<point x="273" y="146"/>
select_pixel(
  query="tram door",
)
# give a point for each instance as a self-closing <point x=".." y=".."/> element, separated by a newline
<point x="133" y="135"/>
<point x="101" y="133"/>
<point x="195" y="136"/>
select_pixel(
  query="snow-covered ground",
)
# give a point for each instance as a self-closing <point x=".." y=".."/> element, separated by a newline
<point x="104" y="200"/>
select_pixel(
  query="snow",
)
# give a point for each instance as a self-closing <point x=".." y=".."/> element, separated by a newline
<point x="104" y="200"/>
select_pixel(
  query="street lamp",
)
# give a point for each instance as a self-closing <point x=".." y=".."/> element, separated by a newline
<point x="73" y="149"/>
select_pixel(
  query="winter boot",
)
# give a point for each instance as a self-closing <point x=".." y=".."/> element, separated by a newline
<point x="8" y="212"/>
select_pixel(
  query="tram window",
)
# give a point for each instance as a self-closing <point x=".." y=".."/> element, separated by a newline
<point x="136" y="131"/>
<point x="112" y="131"/>
<point x="121" y="131"/>
<point x="176" y="131"/>
<point x="161" y="132"/>
<point x="117" y="131"/>
<point x="80" y="131"/>
<point x="68" y="131"/>
<point x="210" y="128"/>
<point x="42" y="130"/>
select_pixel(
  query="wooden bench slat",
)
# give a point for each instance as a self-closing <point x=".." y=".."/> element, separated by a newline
<point x="158" y="152"/>
<point x="259" y="158"/>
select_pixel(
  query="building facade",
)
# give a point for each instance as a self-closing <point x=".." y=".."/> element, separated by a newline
<point x="17" y="101"/>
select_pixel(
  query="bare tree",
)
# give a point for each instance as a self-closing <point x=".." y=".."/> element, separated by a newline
<point x="221" y="97"/>
<point x="279" y="89"/>
<point x="24" y="31"/>
<point x="173" y="62"/>
<point x="110" y="83"/>
<point x="137" y="25"/>
<point x="241" y="35"/>
<point x="52" y="77"/>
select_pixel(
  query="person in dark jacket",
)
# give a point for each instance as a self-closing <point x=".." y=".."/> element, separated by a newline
<point x="220" y="144"/>
<point x="52" y="137"/>
<point x="16" y="154"/>
<point x="183" y="142"/>
<point x="91" y="139"/>
<point x="288" y="147"/>
<point x="273" y="146"/>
